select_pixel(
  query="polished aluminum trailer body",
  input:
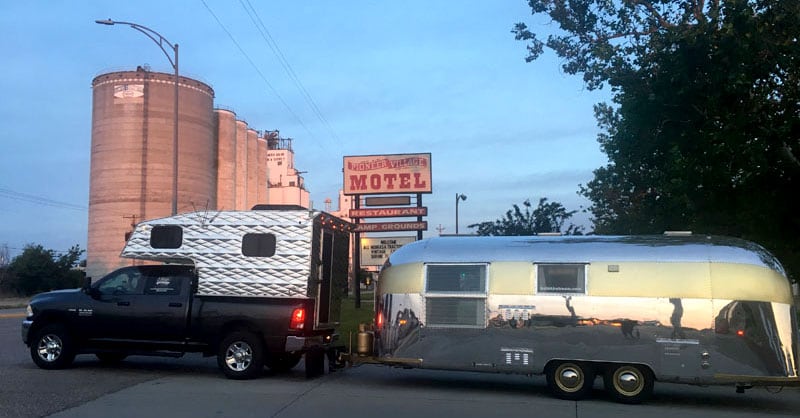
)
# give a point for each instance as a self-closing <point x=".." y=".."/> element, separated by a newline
<point x="691" y="309"/>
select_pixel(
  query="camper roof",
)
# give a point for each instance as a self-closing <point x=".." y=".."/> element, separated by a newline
<point x="586" y="249"/>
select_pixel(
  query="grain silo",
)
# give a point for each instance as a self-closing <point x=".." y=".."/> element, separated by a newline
<point x="262" y="171"/>
<point x="252" y="168"/>
<point x="226" y="159"/>
<point x="132" y="157"/>
<point x="241" y="165"/>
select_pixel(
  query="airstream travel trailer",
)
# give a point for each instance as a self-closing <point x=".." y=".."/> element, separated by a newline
<point x="634" y="310"/>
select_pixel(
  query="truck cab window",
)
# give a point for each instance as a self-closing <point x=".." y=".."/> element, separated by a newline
<point x="163" y="285"/>
<point x="127" y="281"/>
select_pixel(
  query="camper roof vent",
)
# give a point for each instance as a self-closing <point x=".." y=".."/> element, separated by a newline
<point x="677" y="233"/>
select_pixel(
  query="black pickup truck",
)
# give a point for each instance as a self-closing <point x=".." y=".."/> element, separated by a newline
<point x="154" y="310"/>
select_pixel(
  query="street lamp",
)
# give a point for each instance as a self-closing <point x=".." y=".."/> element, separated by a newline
<point x="459" y="197"/>
<point x="161" y="42"/>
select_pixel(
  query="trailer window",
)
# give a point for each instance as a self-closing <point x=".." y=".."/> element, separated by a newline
<point x="166" y="236"/>
<point x="455" y="295"/>
<point x="561" y="278"/>
<point x="258" y="245"/>
<point x="459" y="278"/>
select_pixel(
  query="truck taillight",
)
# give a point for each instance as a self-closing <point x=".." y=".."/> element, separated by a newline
<point x="379" y="320"/>
<point x="298" y="318"/>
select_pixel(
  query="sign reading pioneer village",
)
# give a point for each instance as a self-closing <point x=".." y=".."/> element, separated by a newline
<point x="382" y="174"/>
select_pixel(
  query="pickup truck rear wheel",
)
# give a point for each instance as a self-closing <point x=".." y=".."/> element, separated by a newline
<point x="283" y="362"/>
<point x="241" y="355"/>
<point x="52" y="347"/>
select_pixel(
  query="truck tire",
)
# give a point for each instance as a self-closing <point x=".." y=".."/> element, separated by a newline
<point x="52" y="347"/>
<point x="241" y="355"/>
<point x="283" y="362"/>
<point x="570" y="380"/>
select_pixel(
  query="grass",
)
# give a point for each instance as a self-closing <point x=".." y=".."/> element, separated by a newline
<point x="351" y="317"/>
<point x="9" y="301"/>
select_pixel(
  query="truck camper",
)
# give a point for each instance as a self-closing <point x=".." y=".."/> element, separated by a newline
<point x="255" y="288"/>
<point x="693" y="309"/>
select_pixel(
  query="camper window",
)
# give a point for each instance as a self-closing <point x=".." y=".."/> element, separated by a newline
<point x="561" y="278"/>
<point x="258" y="245"/>
<point x="455" y="295"/>
<point x="166" y="236"/>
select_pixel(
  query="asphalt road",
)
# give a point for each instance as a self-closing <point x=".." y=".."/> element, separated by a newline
<point x="193" y="387"/>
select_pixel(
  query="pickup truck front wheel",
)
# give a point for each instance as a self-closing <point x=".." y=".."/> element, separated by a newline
<point x="52" y="347"/>
<point x="241" y="355"/>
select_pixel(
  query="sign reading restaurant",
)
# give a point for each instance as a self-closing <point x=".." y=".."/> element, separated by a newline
<point x="382" y="174"/>
<point x="388" y="212"/>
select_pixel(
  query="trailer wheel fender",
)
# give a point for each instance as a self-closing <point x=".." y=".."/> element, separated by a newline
<point x="629" y="383"/>
<point x="572" y="380"/>
<point x="241" y="355"/>
<point x="52" y="347"/>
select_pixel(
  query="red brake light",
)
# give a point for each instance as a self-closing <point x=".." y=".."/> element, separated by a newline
<point x="298" y="318"/>
<point x="740" y="333"/>
<point x="379" y="320"/>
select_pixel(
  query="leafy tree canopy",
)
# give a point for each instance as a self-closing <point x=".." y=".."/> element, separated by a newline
<point x="546" y="217"/>
<point x="38" y="269"/>
<point x="704" y="129"/>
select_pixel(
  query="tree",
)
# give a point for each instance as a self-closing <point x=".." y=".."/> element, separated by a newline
<point x="547" y="217"/>
<point x="704" y="130"/>
<point x="38" y="270"/>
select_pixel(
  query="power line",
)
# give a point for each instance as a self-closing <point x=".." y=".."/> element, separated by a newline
<point x="39" y="200"/>
<point x="263" y="77"/>
<point x="276" y="50"/>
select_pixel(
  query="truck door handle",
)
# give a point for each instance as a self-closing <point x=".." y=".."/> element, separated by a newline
<point x="175" y="304"/>
<point x="123" y="303"/>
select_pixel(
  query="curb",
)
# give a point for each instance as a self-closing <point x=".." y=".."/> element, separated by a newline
<point x="12" y="315"/>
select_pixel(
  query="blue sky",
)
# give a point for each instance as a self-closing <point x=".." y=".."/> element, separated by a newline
<point x="445" y="77"/>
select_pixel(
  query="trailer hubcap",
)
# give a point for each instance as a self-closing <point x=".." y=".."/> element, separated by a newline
<point x="569" y="377"/>
<point x="50" y="347"/>
<point x="628" y="381"/>
<point x="238" y="356"/>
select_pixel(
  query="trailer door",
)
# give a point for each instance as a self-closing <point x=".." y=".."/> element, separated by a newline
<point x="326" y="272"/>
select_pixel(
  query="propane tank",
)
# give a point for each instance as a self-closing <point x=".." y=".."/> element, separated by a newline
<point x="365" y="339"/>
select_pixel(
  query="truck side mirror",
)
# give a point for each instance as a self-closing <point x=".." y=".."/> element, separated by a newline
<point x="87" y="284"/>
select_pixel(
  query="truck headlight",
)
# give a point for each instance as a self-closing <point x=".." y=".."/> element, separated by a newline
<point x="29" y="311"/>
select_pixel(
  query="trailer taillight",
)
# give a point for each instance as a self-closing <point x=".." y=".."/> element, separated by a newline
<point x="379" y="320"/>
<point x="298" y="318"/>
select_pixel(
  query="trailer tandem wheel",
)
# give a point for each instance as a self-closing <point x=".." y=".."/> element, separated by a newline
<point x="629" y="383"/>
<point x="570" y="380"/>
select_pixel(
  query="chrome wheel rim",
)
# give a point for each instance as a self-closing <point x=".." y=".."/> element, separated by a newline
<point x="628" y="381"/>
<point x="239" y="356"/>
<point x="50" y="348"/>
<point x="569" y="377"/>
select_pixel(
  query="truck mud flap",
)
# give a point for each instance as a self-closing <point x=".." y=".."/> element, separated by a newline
<point x="315" y="362"/>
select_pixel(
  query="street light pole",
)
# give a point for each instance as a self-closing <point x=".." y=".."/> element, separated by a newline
<point x="459" y="197"/>
<point x="161" y="42"/>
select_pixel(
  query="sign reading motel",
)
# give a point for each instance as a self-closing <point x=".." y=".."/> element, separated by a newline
<point x="391" y="226"/>
<point x="382" y="174"/>
<point x="388" y="212"/>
